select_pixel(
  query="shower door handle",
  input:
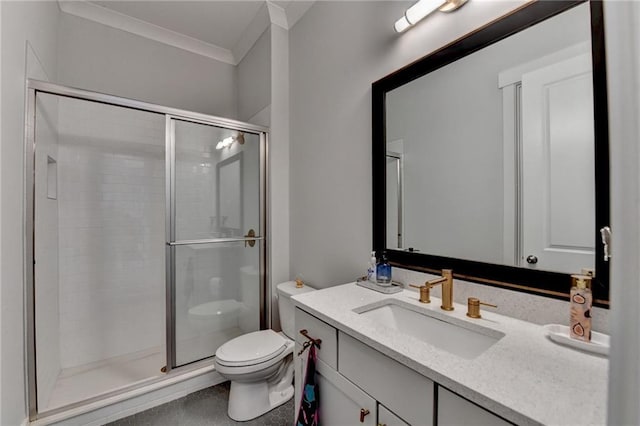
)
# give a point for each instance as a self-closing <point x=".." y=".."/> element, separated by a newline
<point x="250" y="234"/>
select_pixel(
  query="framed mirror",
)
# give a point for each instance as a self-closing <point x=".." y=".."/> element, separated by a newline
<point x="490" y="155"/>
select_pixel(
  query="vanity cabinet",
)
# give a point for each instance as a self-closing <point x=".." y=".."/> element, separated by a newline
<point x="341" y="402"/>
<point x="454" y="410"/>
<point x="359" y="385"/>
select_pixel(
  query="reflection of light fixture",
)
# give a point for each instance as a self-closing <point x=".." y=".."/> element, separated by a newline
<point x="423" y="8"/>
<point x="228" y="141"/>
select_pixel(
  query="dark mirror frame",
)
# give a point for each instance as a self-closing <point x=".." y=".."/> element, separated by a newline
<point x="550" y="284"/>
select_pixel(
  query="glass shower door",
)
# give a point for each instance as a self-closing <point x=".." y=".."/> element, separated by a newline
<point x="215" y="238"/>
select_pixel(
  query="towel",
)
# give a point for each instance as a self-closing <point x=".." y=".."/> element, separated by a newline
<point x="308" y="413"/>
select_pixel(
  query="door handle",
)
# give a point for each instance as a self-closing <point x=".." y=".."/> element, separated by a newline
<point x="250" y="234"/>
<point x="532" y="260"/>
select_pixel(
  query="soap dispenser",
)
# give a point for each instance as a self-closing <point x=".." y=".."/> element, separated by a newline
<point x="580" y="299"/>
<point x="383" y="271"/>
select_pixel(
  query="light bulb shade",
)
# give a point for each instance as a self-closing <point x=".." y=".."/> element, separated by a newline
<point x="421" y="9"/>
<point x="401" y="25"/>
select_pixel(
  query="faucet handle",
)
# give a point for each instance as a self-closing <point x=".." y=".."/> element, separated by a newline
<point x="473" y="307"/>
<point x="425" y="292"/>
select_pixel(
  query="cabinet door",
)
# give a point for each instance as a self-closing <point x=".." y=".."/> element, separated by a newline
<point x="387" y="418"/>
<point x="398" y="387"/>
<point x="341" y="402"/>
<point x="453" y="410"/>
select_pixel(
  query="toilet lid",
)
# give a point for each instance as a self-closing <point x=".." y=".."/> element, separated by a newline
<point x="251" y="348"/>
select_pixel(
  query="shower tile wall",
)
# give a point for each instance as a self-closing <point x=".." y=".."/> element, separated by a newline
<point x="112" y="233"/>
<point x="46" y="248"/>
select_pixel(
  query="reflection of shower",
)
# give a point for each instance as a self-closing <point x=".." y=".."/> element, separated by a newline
<point x="394" y="200"/>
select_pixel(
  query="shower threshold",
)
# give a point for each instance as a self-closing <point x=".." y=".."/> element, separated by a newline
<point x="136" y="397"/>
<point x="94" y="379"/>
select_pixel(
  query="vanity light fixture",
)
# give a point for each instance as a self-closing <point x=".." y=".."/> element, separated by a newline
<point x="422" y="8"/>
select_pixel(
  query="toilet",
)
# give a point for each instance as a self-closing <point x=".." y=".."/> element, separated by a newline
<point x="260" y="364"/>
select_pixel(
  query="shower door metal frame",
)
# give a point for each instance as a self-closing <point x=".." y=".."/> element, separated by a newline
<point x="34" y="87"/>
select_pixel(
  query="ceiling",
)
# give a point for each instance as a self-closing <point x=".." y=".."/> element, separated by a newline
<point x="222" y="30"/>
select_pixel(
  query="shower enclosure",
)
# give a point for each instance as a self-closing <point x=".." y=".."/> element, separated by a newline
<point x="145" y="242"/>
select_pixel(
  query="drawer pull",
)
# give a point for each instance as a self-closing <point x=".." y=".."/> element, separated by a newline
<point x="310" y="341"/>
<point x="363" y="414"/>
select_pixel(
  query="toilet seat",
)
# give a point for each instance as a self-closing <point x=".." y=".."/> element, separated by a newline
<point x="251" y="349"/>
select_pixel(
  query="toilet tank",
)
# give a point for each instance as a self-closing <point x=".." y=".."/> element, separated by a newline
<point x="285" y="305"/>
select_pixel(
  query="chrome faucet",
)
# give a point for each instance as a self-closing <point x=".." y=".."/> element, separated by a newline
<point x="447" y="289"/>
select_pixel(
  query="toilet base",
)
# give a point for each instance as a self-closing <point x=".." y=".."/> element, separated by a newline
<point x="250" y="400"/>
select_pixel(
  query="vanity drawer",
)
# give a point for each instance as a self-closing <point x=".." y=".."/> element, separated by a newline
<point x="402" y="390"/>
<point x="318" y="330"/>
<point x="453" y="410"/>
<point x="387" y="418"/>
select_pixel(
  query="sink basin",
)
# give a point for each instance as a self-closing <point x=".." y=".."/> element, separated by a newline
<point x="464" y="340"/>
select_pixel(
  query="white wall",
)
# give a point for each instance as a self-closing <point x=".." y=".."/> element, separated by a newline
<point x="337" y="50"/>
<point x="37" y="23"/>
<point x="254" y="78"/>
<point x="96" y="57"/>
<point x="279" y="166"/>
<point x="622" y="23"/>
<point x="1" y="139"/>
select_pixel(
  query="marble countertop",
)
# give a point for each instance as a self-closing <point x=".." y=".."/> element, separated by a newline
<point x="524" y="377"/>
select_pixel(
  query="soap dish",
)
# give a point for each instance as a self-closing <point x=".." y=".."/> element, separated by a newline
<point x="599" y="343"/>
<point x="389" y="289"/>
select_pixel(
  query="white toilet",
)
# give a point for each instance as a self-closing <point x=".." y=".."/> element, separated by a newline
<point x="260" y="364"/>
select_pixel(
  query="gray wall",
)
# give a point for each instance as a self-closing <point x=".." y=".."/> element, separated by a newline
<point x="622" y="21"/>
<point x="96" y="57"/>
<point x="35" y="23"/>
<point x="337" y="50"/>
<point x="254" y="78"/>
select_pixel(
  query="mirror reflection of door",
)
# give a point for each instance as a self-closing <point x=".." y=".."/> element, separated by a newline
<point x="558" y="201"/>
<point x="394" y="198"/>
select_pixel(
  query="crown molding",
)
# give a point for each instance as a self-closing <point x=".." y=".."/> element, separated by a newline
<point x="278" y="15"/>
<point x="295" y="10"/>
<point x="269" y="13"/>
<point x="111" y="18"/>
<point x="250" y="36"/>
